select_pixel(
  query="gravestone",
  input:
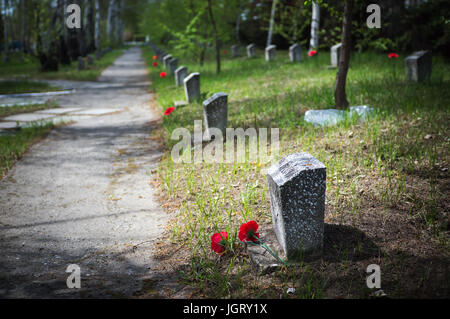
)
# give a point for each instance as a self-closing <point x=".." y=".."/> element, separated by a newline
<point x="418" y="66"/>
<point x="251" y="50"/>
<point x="173" y="65"/>
<point x="180" y="75"/>
<point x="192" y="87"/>
<point x="335" y="53"/>
<point x="90" y="60"/>
<point x="215" y="112"/>
<point x="81" y="63"/>
<point x="295" y="52"/>
<point x="98" y="54"/>
<point x="270" y="52"/>
<point x="235" y="51"/>
<point x="166" y="59"/>
<point x="297" y="185"/>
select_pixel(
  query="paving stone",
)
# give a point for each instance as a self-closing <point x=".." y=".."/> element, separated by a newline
<point x="95" y="112"/>
<point x="28" y="117"/>
<point x="58" y="111"/>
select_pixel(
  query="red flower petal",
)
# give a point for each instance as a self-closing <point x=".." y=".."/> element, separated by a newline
<point x="169" y="111"/>
<point x="247" y="232"/>
<point x="218" y="242"/>
<point x="155" y="57"/>
<point x="224" y="51"/>
<point x="312" y="52"/>
<point x="155" y="64"/>
<point x="392" y="55"/>
<point x="163" y="74"/>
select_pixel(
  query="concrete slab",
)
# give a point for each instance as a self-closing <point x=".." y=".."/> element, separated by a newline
<point x="333" y="116"/>
<point x="23" y="103"/>
<point x="8" y="125"/>
<point x="180" y="103"/>
<point x="38" y="94"/>
<point x="95" y="112"/>
<point x="28" y="117"/>
<point x="60" y="110"/>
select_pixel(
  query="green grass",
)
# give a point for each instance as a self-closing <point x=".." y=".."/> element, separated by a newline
<point x="13" y="146"/>
<point x="30" y="68"/>
<point x="386" y="178"/>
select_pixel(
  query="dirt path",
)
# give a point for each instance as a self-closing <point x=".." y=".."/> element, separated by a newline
<point x="82" y="196"/>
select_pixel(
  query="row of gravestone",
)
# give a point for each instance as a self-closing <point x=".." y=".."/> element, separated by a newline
<point x="296" y="183"/>
<point x="89" y="59"/>
<point x="418" y="65"/>
<point x="191" y="82"/>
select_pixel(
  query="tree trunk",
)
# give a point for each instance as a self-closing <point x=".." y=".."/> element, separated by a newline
<point x="238" y="25"/>
<point x="315" y="21"/>
<point x="272" y="21"/>
<point x="97" y="25"/>
<point x="109" y="22"/>
<point x="23" y="20"/>
<point x="64" y="57"/>
<point x="205" y="37"/>
<point x="216" y="40"/>
<point x="340" y="96"/>
<point x="118" y="22"/>
<point x="5" y="31"/>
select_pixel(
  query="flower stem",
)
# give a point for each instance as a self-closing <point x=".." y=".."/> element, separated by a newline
<point x="259" y="243"/>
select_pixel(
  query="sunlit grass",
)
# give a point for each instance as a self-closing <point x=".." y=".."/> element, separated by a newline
<point x="397" y="161"/>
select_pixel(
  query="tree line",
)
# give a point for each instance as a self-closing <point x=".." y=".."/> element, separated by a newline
<point x="38" y="27"/>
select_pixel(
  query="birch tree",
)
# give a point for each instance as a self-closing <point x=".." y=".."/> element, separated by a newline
<point x="315" y="21"/>
<point x="97" y="24"/>
<point x="272" y="22"/>
<point x="110" y="19"/>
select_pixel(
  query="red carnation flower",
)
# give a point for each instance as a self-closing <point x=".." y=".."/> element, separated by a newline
<point x="247" y="232"/>
<point x="224" y="51"/>
<point x="169" y="111"/>
<point x="155" y="57"/>
<point x="155" y="64"/>
<point x="312" y="53"/>
<point x="163" y="74"/>
<point x="392" y="55"/>
<point x="219" y="242"/>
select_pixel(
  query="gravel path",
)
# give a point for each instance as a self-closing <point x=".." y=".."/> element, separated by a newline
<point x="82" y="196"/>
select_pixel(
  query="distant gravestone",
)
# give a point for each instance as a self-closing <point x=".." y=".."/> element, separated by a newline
<point x="270" y="52"/>
<point x="235" y="51"/>
<point x="418" y="66"/>
<point x="173" y="65"/>
<point x="335" y="52"/>
<point x="98" y="54"/>
<point x="81" y="63"/>
<point x="215" y="111"/>
<point x="251" y="50"/>
<point x="166" y="59"/>
<point x="192" y="87"/>
<point x="295" y="53"/>
<point x="180" y="75"/>
<point x="90" y="60"/>
<point x="297" y="185"/>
